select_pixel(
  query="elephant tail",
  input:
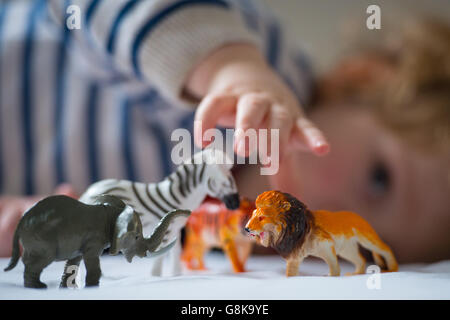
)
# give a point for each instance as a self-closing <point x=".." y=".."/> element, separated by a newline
<point x="15" y="252"/>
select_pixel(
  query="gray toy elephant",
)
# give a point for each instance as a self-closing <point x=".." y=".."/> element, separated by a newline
<point x="61" y="228"/>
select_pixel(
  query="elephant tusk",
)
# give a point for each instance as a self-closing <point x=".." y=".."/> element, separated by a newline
<point x="162" y="250"/>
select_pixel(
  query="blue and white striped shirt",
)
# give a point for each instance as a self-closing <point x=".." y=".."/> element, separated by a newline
<point x="101" y="102"/>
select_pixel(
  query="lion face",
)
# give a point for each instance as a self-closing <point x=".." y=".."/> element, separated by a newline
<point x="267" y="221"/>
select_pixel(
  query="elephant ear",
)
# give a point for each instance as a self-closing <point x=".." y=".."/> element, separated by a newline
<point x="126" y="222"/>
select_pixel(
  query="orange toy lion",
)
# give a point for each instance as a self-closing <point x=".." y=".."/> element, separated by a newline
<point x="286" y="224"/>
<point x="212" y="225"/>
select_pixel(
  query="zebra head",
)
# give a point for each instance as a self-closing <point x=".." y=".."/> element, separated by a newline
<point x="217" y="177"/>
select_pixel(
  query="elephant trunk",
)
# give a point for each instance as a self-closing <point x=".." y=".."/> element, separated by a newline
<point x="157" y="236"/>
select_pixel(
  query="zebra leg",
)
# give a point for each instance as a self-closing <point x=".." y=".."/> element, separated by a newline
<point x="70" y="273"/>
<point x="175" y="257"/>
<point x="157" y="266"/>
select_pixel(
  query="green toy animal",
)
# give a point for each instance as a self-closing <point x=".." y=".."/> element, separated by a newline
<point x="61" y="228"/>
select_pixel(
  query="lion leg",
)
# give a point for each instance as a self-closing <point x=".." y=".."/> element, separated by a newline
<point x="379" y="247"/>
<point x="292" y="265"/>
<point x="327" y="252"/>
<point x="351" y="253"/>
<point x="378" y="260"/>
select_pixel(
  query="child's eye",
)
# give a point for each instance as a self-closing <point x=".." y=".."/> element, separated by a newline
<point x="380" y="179"/>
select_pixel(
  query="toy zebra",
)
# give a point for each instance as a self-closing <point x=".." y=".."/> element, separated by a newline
<point x="206" y="173"/>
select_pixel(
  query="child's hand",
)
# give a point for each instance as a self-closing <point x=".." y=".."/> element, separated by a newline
<point x="240" y="90"/>
<point x="11" y="210"/>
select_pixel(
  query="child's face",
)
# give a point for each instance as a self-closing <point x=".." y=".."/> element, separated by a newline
<point x="405" y="195"/>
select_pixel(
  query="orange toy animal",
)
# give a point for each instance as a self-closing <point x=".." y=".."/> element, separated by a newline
<point x="286" y="224"/>
<point x="212" y="225"/>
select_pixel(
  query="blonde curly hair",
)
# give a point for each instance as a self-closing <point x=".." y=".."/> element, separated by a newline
<point x="405" y="79"/>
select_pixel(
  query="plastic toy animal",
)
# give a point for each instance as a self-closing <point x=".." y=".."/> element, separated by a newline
<point x="61" y="228"/>
<point x="212" y="225"/>
<point x="286" y="224"/>
<point x="186" y="188"/>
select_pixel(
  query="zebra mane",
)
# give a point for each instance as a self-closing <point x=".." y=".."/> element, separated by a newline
<point x="186" y="178"/>
<point x="211" y="156"/>
<point x="190" y="174"/>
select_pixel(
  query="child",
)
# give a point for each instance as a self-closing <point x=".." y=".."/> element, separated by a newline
<point x="375" y="109"/>
<point x="101" y="101"/>
<point x="386" y="112"/>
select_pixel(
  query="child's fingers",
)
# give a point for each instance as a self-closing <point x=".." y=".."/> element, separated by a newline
<point x="251" y="110"/>
<point x="210" y="110"/>
<point x="307" y="135"/>
<point x="227" y="120"/>
<point x="281" y="119"/>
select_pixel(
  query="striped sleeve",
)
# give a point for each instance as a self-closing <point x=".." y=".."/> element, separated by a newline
<point x="159" y="41"/>
<point x="281" y="51"/>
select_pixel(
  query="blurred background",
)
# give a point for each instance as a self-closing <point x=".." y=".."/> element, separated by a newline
<point x="338" y="23"/>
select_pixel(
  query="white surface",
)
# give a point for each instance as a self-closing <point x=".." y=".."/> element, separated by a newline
<point x="264" y="280"/>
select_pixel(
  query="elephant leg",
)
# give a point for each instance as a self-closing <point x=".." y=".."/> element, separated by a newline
<point x="34" y="264"/>
<point x="93" y="271"/>
<point x="70" y="273"/>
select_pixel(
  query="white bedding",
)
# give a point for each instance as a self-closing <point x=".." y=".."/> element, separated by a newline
<point x="264" y="280"/>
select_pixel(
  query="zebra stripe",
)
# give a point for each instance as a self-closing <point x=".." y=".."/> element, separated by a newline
<point x="202" y="171"/>
<point x="156" y="203"/>
<point x="195" y="176"/>
<point x="181" y="185"/>
<point x="136" y="193"/>
<point x="209" y="185"/>
<point x="188" y="173"/>
<point x="230" y="180"/>
<point x="174" y="197"/>
<point x="163" y="198"/>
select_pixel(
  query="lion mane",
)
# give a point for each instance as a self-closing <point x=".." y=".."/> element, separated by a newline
<point x="298" y="222"/>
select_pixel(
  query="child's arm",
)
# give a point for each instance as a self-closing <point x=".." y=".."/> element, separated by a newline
<point x="11" y="210"/>
<point x="267" y="86"/>
<point x="205" y="49"/>
<point x="154" y="41"/>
